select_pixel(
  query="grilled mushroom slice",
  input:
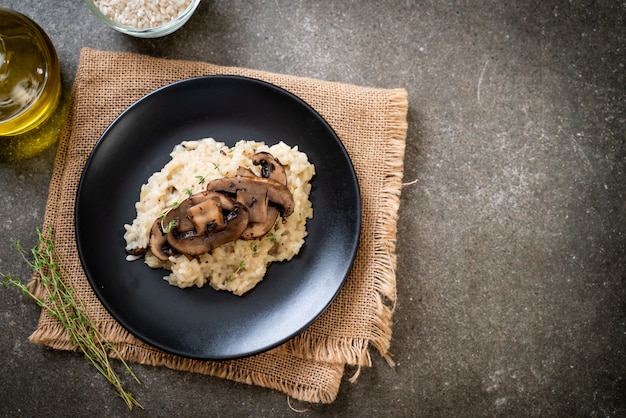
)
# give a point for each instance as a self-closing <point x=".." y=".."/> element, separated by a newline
<point x="194" y="243"/>
<point x="258" y="229"/>
<point x="207" y="212"/>
<point x="277" y="193"/>
<point x="198" y="224"/>
<point x="243" y="206"/>
<point x="175" y="217"/>
<point x="271" y="168"/>
<point x="245" y="172"/>
<point x="256" y="194"/>
<point x="158" y="242"/>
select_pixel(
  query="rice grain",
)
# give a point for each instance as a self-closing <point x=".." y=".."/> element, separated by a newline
<point x="142" y="14"/>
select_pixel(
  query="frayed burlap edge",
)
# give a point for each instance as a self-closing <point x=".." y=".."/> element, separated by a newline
<point x="56" y="337"/>
<point x="356" y="351"/>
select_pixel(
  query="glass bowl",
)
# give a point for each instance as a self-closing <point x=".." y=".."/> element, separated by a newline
<point x="148" y="32"/>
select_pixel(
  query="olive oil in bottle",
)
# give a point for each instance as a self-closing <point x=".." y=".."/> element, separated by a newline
<point x="30" y="82"/>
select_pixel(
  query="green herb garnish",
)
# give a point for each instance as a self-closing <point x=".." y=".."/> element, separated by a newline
<point x="167" y="228"/>
<point x="202" y="179"/>
<point x="240" y="268"/>
<point x="60" y="302"/>
<point x="172" y="224"/>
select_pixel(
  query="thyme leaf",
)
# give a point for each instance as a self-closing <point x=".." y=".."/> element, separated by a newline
<point x="240" y="268"/>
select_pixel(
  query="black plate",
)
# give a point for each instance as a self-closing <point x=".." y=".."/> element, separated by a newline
<point x="203" y="323"/>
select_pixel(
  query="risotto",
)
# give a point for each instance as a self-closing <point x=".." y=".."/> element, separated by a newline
<point x="236" y="266"/>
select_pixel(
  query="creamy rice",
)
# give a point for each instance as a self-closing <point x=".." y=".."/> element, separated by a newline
<point x="142" y="13"/>
<point x="239" y="265"/>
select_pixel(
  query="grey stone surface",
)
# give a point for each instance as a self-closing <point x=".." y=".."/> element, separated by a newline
<point x="511" y="234"/>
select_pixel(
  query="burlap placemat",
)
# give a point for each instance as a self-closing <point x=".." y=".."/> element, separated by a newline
<point x="372" y="125"/>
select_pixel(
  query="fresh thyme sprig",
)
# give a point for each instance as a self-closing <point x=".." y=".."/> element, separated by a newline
<point x="167" y="228"/>
<point x="202" y="179"/>
<point x="61" y="303"/>
<point x="173" y="223"/>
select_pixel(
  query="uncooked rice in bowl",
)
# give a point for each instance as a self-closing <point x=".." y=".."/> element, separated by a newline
<point x="239" y="265"/>
<point x="142" y="13"/>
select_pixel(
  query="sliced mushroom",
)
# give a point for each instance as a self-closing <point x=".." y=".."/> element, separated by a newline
<point x="277" y="193"/>
<point x="245" y="172"/>
<point x="256" y="230"/>
<point x="207" y="212"/>
<point x="136" y="252"/>
<point x="197" y="225"/>
<point x="194" y="244"/>
<point x="256" y="204"/>
<point x="271" y="168"/>
<point x="175" y="217"/>
<point x="158" y="242"/>
<point x="243" y="206"/>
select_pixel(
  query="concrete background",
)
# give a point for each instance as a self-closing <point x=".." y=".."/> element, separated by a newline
<point x="511" y="235"/>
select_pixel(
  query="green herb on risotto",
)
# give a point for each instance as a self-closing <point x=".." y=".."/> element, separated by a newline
<point x="240" y="268"/>
<point x="202" y="179"/>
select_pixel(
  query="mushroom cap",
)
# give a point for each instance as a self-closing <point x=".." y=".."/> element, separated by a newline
<point x="158" y="242"/>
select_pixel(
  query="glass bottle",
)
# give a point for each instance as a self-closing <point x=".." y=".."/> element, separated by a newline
<point x="30" y="81"/>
